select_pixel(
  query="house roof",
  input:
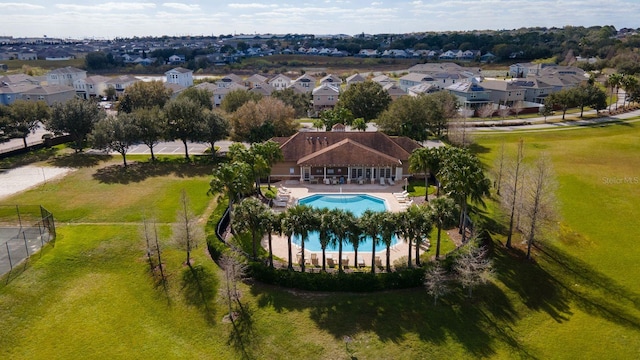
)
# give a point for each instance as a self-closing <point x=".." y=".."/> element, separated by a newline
<point x="417" y="77"/>
<point x="285" y="78"/>
<point x="372" y="147"/>
<point x="179" y="70"/>
<point x="49" y="89"/>
<point x="348" y="152"/>
<point x="355" y="78"/>
<point x="331" y="79"/>
<point x="66" y="70"/>
<point x="232" y="78"/>
<point x="122" y="79"/>
<point x="256" y="78"/>
<point x="326" y="89"/>
<point x="18" y="78"/>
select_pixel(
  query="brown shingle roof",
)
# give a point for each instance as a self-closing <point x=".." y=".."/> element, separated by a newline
<point x="348" y="152"/>
<point x="303" y="144"/>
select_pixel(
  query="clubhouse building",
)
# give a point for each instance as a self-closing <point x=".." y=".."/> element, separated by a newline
<point x="342" y="157"/>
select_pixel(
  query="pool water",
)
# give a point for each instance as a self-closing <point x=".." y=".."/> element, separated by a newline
<point x="356" y="203"/>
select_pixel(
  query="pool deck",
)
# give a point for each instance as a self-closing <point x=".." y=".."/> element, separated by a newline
<point x="299" y="190"/>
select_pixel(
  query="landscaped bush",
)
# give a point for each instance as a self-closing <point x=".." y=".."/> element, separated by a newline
<point x="356" y="282"/>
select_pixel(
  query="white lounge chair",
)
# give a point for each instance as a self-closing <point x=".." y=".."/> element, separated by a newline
<point x="391" y="182"/>
<point x="403" y="193"/>
<point x="382" y="181"/>
<point x="361" y="261"/>
<point x="280" y="203"/>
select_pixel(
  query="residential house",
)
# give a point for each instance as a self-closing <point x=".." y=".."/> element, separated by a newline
<point x="420" y="89"/>
<point x="50" y="94"/>
<point x="306" y="81"/>
<point x="65" y="76"/>
<point x="18" y="79"/>
<point x="331" y="80"/>
<point x="121" y="83"/>
<point x="343" y="157"/>
<point x="413" y="79"/>
<point x="92" y="86"/>
<point x="354" y="79"/>
<point x="10" y="92"/>
<point x="254" y="79"/>
<point x="370" y="53"/>
<point x="176" y="89"/>
<point x="180" y="76"/>
<point x="325" y="97"/>
<point x="535" y="90"/>
<point x="177" y="59"/>
<point x="220" y="92"/>
<point x="394" y="90"/>
<point x="229" y="79"/>
<point x="470" y="94"/>
<point x="280" y="82"/>
<point x="503" y="92"/>
<point x="27" y="56"/>
<point x="383" y="80"/>
<point x="263" y="89"/>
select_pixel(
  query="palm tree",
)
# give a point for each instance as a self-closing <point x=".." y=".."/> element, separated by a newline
<point x="301" y="218"/>
<point x="271" y="223"/>
<point x="248" y="215"/>
<point x="614" y="81"/>
<point x="257" y="164"/>
<point x="324" y="232"/>
<point x="232" y="179"/>
<point x="405" y="229"/>
<point x="630" y="85"/>
<point x="342" y="220"/>
<point x="419" y="162"/>
<point x="462" y="178"/>
<point x="422" y="225"/>
<point x="442" y="212"/>
<point x="270" y="151"/>
<point x="287" y="226"/>
<point x="354" y="237"/>
<point x="371" y="224"/>
<point x="388" y="225"/>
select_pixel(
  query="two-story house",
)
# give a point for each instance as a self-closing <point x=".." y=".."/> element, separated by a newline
<point x="470" y="94"/>
<point x="92" y="86"/>
<point x="229" y="79"/>
<point x="280" y="82"/>
<point x="180" y="76"/>
<point x="65" y="76"/>
<point x="306" y="81"/>
<point x="325" y="97"/>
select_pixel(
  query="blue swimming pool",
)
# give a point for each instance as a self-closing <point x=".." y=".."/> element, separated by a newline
<point x="356" y="203"/>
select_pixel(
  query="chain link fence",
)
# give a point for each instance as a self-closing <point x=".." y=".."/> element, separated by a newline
<point x="24" y="230"/>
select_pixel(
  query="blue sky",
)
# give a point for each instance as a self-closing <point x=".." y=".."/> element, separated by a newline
<point x="79" y="19"/>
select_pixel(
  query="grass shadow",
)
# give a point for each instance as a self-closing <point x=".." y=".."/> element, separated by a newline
<point x="475" y="323"/>
<point x="140" y="171"/>
<point x="199" y="286"/>
<point x="242" y="336"/>
<point x="79" y="160"/>
<point x="15" y="161"/>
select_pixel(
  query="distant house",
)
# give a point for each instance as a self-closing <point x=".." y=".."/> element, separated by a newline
<point x="263" y="89"/>
<point x="394" y="91"/>
<point x="421" y="89"/>
<point x="503" y="92"/>
<point x="254" y="79"/>
<point x="180" y="76"/>
<point x="331" y="80"/>
<point x="220" y="92"/>
<point x="383" y="80"/>
<point x="27" y="56"/>
<point x="121" y="83"/>
<point x="280" y="82"/>
<point x="9" y="92"/>
<point x="177" y="59"/>
<point x="50" y="94"/>
<point x="228" y="80"/>
<point x="354" y="79"/>
<point x="306" y="81"/>
<point x="470" y="94"/>
<point x="65" y="76"/>
<point x="92" y="86"/>
<point x="325" y="97"/>
<point x="413" y="79"/>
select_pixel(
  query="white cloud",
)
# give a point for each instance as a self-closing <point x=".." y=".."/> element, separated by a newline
<point x="110" y="6"/>
<point x="20" y="6"/>
<point x="251" y="6"/>
<point x="182" y="6"/>
<point x="376" y="3"/>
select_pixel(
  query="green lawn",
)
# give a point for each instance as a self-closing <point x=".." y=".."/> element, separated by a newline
<point x="91" y="295"/>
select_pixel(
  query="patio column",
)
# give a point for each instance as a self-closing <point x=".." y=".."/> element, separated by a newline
<point x="325" y="172"/>
<point x="349" y="175"/>
<point x="372" y="179"/>
<point x="301" y="174"/>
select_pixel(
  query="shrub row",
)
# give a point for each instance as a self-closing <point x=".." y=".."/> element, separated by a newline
<point x="355" y="282"/>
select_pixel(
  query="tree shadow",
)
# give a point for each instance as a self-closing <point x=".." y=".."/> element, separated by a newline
<point x="478" y="149"/>
<point x="140" y="171"/>
<point x="79" y="160"/>
<point x="593" y="291"/>
<point x="15" y="161"/>
<point x="242" y="336"/>
<point x="477" y="323"/>
<point x="199" y="286"/>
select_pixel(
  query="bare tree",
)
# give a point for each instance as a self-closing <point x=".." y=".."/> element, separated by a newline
<point x="186" y="231"/>
<point x="473" y="267"/>
<point x="436" y="282"/>
<point x="234" y="272"/>
<point x="504" y="112"/>
<point x="486" y="111"/>
<point x="500" y="166"/>
<point x="153" y="249"/>
<point x="512" y="187"/>
<point x="517" y="107"/>
<point x="539" y="211"/>
<point x="459" y="134"/>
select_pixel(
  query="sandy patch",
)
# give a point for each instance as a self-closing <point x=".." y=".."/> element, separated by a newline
<point x="13" y="181"/>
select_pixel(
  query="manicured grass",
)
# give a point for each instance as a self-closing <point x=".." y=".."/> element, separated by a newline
<point x="92" y="296"/>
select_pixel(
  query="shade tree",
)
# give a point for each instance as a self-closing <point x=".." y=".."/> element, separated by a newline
<point x="143" y="94"/>
<point x="184" y="122"/>
<point x="365" y="100"/>
<point x="77" y="118"/>
<point x="115" y="133"/>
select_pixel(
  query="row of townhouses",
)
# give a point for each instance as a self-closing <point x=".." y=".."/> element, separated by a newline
<point x="532" y="84"/>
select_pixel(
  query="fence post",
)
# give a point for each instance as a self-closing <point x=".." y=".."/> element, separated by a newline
<point x="19" y="219"/>
<point x="9" y="255"/>
<point x="26" y="247"/>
